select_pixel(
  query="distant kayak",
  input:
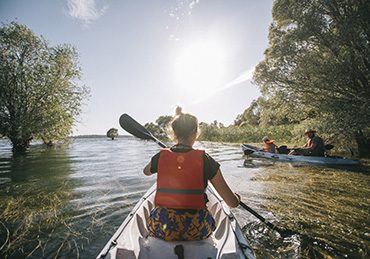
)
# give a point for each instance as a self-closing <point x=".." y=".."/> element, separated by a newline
<point x="322" y="160"/>
<point x="132" y="241"/>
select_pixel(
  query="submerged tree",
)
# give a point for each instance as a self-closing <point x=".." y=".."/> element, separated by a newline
<point x="112" y="133"/>
<point x="39" y="96"/>
<point x="319" y="57"/>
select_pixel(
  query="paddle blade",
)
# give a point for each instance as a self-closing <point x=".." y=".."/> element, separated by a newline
<point x="329" y="146"/>
<point x="247" y="149"/>
<point x="132" y="126"/>
<point x="248" y="152"/>
<point x="136" y="129"/>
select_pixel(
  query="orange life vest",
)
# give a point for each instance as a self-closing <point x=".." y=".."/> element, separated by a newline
<point x="269" y="146"/>
<point x="180" y="182"/>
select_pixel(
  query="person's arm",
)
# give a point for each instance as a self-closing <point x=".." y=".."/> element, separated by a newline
<point x="152" y="166"/>
<point x="218" y="181"/>
<point x="310" y="146"/>
<point x="147" y="169"/>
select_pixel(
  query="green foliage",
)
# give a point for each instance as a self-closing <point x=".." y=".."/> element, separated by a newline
<point x="159" y="129"/>
<point x="275" y="110"/>
<point x="209" y="132"/>
<point x="39" y="95"/>
<point x="319" y="59"/>
<point x="251" y="115"/>
<point x="163" y="123"/>
<point x="112" y="133"/>
<point x="244" y="133"/>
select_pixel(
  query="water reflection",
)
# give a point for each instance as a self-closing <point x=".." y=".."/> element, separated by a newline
<point x="32" y="202"/>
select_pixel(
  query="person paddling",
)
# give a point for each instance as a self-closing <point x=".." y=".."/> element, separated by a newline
<point x="314" y="146"/>
<point x="180" y="211"/>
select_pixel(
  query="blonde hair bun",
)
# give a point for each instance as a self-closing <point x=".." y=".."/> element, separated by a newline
<point x="183" y="125"/>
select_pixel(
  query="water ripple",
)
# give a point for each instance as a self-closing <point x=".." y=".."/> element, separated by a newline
<point x="71" y="199"/>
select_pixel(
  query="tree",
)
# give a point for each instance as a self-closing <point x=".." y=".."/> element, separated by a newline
<point x="163" y="122"/>
<point x="39" y="95"/>
<point x="319" y="57"/>
<point x="160" y="128"/>
<point x="112" y="133"/>
<point x="275" y="110"/>
<point x="251" y="115"/>
<point x="209" y="132"/>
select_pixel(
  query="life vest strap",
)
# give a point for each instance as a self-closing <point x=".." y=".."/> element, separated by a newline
<point x="178" y="191"/>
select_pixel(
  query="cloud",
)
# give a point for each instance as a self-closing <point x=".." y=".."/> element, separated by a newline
<point x="192" y="3"/>
<point x="243" y="77"/>
<point x="178" y="11"/>
<point x="86" y="10"/>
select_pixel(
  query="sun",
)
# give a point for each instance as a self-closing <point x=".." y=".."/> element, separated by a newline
<point x="200" y="68"/>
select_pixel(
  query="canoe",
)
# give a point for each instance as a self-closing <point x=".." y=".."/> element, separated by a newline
<point x="131" y="240"/>
<point x="320" y="160"/>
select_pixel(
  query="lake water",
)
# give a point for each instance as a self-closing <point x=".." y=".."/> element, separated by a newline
<point x="66" y="202"/>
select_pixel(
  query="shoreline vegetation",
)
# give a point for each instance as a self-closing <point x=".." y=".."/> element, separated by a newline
<point x="216" y="132"/>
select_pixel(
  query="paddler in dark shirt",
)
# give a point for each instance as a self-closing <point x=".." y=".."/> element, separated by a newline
<point x="314" y="146"/>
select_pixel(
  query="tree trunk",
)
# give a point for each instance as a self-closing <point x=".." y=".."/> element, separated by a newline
<point x="20" y="145"/>
<point x="363" y="144"/>
<point x="47" y="142"/>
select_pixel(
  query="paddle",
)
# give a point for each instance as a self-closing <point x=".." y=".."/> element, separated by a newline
<point x="136" y="129"/>
<point x="248" y="149"/>
<point x="282" y="232"/>
<point x="247" y="152"/>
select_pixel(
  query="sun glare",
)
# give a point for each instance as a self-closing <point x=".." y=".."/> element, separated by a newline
<point x="200" y="68"/>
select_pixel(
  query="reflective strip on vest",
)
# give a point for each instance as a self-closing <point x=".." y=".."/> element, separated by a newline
<point x="176" y="191"/>
<point x="180" y="182"/>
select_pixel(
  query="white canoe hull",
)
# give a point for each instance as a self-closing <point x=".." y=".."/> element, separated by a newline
<point x="131" y="239"/>
<point x="255" y="152"/>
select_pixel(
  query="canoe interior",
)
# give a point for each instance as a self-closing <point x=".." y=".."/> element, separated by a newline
<point x="131" y="239"/>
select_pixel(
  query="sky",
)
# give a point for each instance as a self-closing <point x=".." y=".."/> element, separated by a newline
<point x="145" y="57"/>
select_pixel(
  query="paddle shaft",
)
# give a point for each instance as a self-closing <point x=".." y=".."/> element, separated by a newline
<point x="282" y="232"/>
<point x="159" y="143"/>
